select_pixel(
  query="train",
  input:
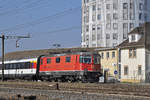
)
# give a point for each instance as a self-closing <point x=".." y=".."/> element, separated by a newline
<point x="73" y="67"/>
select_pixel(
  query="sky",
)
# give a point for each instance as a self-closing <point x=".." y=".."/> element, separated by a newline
<point x="47" y="21"/>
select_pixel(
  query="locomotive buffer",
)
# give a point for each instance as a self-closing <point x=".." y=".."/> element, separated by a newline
<point x="9" y="37"/>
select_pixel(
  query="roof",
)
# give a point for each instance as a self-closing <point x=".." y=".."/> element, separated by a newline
<point x="126" y="44"/>
<point x="105" y="49"/>
<point x="35" y="53"/>
<point x="137" y="30"/>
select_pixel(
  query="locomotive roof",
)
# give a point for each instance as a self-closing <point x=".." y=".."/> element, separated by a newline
<point x="72" y="53"/>
<point x="36" y="53"/>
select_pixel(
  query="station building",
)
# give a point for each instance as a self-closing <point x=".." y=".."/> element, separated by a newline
<point x="109" y="61"/>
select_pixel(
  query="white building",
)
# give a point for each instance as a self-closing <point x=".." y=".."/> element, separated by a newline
<point x="105" y="23"/>
<point x="135" y="56"/>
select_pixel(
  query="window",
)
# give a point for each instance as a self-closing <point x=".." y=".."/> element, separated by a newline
<point x="107" y="55"/>
<point x="108" y="26"/>
<point x="0" y="66"/>
<point x="115" y="4"/>
<point x="125" y="11"/>
<point x="132" y="53"/>
<point x="93" y="37"/>
<point x="140" y="16"/>
<point x="93" y="27"/>
<point x="139" y="70"/>
<point x="115" y="36"/>
<point x="93" y="17"/>
<point x="125" y="5"/>
<point x="48" y="60"/>
<point x="87" y="19"/>
<point x="107" y="6"/>
<point x="7" y="66"/>
<point x="58" y="60"/>
<point x="27" y="65"/>
<point x="96" y="59"/>
<point x="94" y="7"/>
<point x="133" y="38"/>
<point x="115" y="26"/>
<point x="87" y="28"/>
<point x="99" y="17"/>
<point x="68" y="59"/>
<point x="115" y="16"/>
<point x="113" y="54"/>
<point x="107" y="36"/>
<point x="41" y="61"/>
<point x="125" y="30"/>
<point x="108" y="17"/>
<point x="131" y="26"/>
<point x="98" y="27"/>
<point x="99" y="7"/>
<point x="85" y="59"/>
<point x="126" y="70"/>
<point x="140" y="6"/>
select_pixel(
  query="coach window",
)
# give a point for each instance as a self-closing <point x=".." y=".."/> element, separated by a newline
<point x="6" y="66"/>
<point x="58" y="60"/>
<point x="0" y="66"/>
<point x="10" y="67"/>
<point x="28" y="63"/>
<point x="14" y="66"/>
<point x="19" y="65"/>
<point x="22" y="66"/>
<point x="48" y="61"/>
<point x="68" y="59"/>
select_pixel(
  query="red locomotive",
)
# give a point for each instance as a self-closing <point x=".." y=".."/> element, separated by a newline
<point x="81" y="66"/>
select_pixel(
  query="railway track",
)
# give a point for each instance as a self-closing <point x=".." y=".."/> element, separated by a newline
<point x="120" y="89"/>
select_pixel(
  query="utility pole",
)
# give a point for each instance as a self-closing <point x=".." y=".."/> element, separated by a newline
<point x="3" y="38"/>
<point x="3" y="43"/>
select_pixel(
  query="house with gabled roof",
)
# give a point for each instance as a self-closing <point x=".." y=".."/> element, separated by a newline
<point x="134" y="55"/>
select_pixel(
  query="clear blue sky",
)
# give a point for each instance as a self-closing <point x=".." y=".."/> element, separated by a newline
<point x="45" y="20"/>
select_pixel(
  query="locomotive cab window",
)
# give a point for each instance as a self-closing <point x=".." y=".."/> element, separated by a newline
<point x="48" y="61"/>
<point x="96" y="59"/>
<point x="85" y="59"/>
<point x="68" y="59"/>
<point x="58" y="60"/>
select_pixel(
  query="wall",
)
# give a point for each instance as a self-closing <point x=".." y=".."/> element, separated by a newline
<point x="110" y="63"/>
<point x="132" y="64"/>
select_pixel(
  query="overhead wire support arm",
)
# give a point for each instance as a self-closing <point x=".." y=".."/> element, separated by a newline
<point x="3" y="37"/>
<point x="17" y="38"/>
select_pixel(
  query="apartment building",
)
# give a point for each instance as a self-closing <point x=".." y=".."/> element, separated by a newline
<point x="105" y="23"/>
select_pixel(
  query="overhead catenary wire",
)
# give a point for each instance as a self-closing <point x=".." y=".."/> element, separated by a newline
<point x="60" y="30"/>
<point x="42" y="20"/>
<point x="29" y="6"/>
<point x="19" y="10"/>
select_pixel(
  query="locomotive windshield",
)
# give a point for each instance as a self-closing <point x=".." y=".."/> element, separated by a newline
<point x="96" y="59"/>
<point x="85" y="59"/>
